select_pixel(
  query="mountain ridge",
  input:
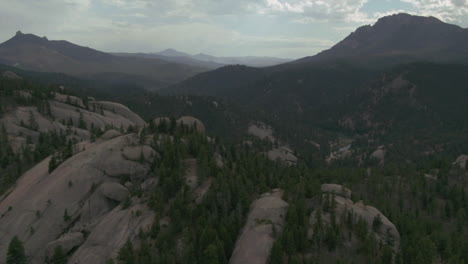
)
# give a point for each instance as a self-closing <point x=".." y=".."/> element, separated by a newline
<point x="416" y="37"/>
<point x="31" y="52"/>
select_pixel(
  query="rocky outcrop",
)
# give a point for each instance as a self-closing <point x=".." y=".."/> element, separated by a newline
<point x="110" y="134"/>
<point x="336" y="189"/>
<point x="192" y="121"/>
<point x="379" y="154"/>
<point x="67" y="242"/>
<point x="159" y="120"/>
<point x="261" y="131"/>
<point x="27" y="123"/>
<point x="112" y="232"/>
<point x="256" y="240"/>
<point x="461" y="161"/>
<point x="191" y="175"/>
<point x="116" y="109"/>
<point x="384" y="233"/>
<point x="218" y="161"/>
<point x="114" y="191"/>
<point x="73" y="198"/>
<point x="139" y="153"/>
<point x="284" y="154"/>
<point x="69" y="99"/>
<point x="10" y="75"/>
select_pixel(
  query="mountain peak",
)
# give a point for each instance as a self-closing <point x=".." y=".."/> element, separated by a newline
<point x="173" y="53"/>
<point x="406" y="19"/>
<point x="402" y="36"/>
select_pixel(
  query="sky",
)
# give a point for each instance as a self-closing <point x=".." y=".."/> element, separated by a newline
<point x="280" y="28"/>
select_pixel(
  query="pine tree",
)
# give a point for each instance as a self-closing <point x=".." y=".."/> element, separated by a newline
<point x="59" y="256"/>
<point x="15" y="254"/>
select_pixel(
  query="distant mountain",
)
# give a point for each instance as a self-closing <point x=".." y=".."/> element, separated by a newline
<point x="173" y="53"/>
<point x="393" y="40"/>
<point x="186" y="60"/>
<point x="251" y="61"/>
<point x="31" y="52"/>
<point x="400" y="38"/>
<point x="208" y="61"/>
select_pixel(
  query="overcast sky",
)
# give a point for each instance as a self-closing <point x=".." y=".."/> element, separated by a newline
<point x="282" y="28"/>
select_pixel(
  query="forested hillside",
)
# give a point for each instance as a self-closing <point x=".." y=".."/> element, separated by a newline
<point x="189" y="191"/>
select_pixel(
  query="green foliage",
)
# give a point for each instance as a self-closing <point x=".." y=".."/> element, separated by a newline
<point x="15" y="254"/>
<point x="59" y="257"/>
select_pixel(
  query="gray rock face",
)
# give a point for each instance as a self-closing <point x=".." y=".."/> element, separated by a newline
<point x="67" y="242"/>
<point x="45" y="206"/>
<point x="256" y="240"/>
<point x="114" y="191"/>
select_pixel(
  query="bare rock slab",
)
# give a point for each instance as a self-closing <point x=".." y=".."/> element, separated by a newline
<point x="255" y="243"/>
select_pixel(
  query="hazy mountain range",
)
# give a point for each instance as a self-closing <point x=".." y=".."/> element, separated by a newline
<point x="209" y="60"/>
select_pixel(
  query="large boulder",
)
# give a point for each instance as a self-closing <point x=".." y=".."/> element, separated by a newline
<point x="256" y="240"/>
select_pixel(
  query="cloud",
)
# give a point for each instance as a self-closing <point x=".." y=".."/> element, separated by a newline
<point x="447" y="10"/>
<point x="306" y="11"/>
